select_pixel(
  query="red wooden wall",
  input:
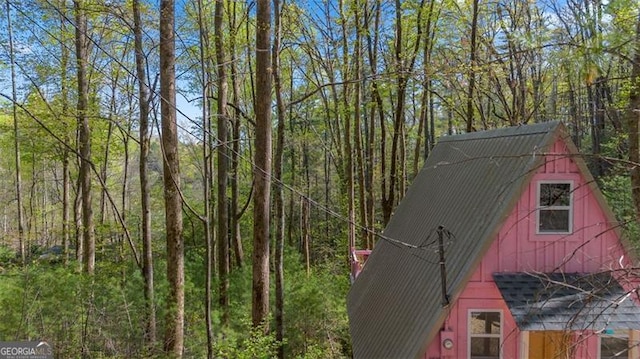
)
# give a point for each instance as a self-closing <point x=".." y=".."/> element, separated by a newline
<point x="592" y="246"/>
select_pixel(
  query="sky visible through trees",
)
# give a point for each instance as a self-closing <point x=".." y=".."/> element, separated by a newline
<point x="360" y="92"/>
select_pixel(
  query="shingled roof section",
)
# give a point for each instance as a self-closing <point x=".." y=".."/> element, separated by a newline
<point x="469" y="185"/>
<point x="567" y="301"/>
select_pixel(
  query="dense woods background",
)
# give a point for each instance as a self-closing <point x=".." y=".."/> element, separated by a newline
<point x="168" y="166"/>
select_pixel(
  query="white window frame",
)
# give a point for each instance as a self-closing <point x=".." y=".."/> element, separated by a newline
<point x="621" y="335"/>
<point x="568" y="208"/>
<point x="470" y="335"/>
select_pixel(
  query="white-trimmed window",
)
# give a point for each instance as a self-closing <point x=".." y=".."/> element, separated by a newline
<point x="485" y="334"/>
<point x="614" y="346"/>
<point x="555" y="210"/>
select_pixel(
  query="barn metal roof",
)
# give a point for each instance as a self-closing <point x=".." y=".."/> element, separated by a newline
<point x="568" y="301"/>
<point x="469" y="185"/>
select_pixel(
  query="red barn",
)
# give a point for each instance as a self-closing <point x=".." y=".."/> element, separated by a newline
<point x="502" y="248"/>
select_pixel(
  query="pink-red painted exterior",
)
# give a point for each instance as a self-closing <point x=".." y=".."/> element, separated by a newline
<point x="358" y="259"/>
<point x="592" y="246"/>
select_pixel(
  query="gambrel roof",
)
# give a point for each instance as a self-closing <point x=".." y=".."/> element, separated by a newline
<point x="469" y="185"/>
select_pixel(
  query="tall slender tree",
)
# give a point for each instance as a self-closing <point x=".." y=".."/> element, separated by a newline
<point x="145" y="191"/>
<point x="404" y="60"/>
<point x="16" y="140"/>
<point x="278" y="198"/>
<point x="262" y="166"/>
<point x="633" y="122"/>
<point x="376" y="114"/>
<point x="207" y="169"/>
<point x="174" y="332"/>
<point x="357" y="125"/>
<point x="223" y="165"/>
<point x="472" y="65"/>
<point x="84" y="176"/>
<point x="235" y="214"/>
<point x="66" y="175"/>
<point x="347" y="116"/>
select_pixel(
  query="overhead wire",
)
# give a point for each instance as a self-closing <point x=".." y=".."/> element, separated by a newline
<point x="155" y="94"/>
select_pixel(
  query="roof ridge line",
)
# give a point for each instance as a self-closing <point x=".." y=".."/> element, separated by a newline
<point x="502" y="132"/>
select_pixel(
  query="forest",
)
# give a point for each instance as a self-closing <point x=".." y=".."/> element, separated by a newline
<point x="187" y="178"/>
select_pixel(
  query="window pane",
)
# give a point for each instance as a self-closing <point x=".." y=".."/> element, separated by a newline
<point x="556" y="220"/>
<point x="485" y="323"/>
<point x="613" y="347"/>
<point x="485" y="348"/>
<point x="555" y="194"/>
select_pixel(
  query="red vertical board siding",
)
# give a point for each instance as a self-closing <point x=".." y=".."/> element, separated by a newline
<point x="592" y="246"/>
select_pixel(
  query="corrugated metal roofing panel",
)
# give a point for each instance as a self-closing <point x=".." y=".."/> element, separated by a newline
<point x="468" y="185"/>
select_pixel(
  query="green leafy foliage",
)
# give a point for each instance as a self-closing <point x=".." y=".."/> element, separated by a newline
<point x="253" y="344"/>
<point x="315" y="313"/>
<point x="71" y="311"/>
<point x="316" y="323"/>
<point x="533" y="63"/>
<point x="616" y="187"/>
<point x="7" y="256"/>
<point x="103" y="314"/>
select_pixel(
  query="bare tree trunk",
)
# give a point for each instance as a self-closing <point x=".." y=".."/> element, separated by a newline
<point x="404" y="63"/>
<point x="207" y="166"/>
<point x="327" y="183"/>
<point x="174" y="332"/>
<point x="77" y="218"/>
<point x="223" y="166"/>
<point x="105" y="163"/>
<point x="376" y="110"/>
<point x="277" y="173"/>
<point x="347" y="178"/>
<point x="306" y="233"/>
<point x="236" y="238"/>
<point x="294" y="182"/>
<point x="432" y="119"/>
<point x="145" y="191"/>
<point x="365" y="221"/>
<point x="598" y="104"/>
<point x="472" y="64"/>
<point x="125" y="133"/>
<point x="103" y="170"/>
<point x="574" y="118"/>
<point x="426" y="102"/>
<point x="402" y="163"/>
<point x="32" y="223"/>
<point x="66" y="175"/>
<point x="262" y="169"/>
<point x="124" y="190"/>
<point x="422" y="122"/>
<point x="45" y="234"/>
<point x="89" y="247"/>
<point x="16" y="141"/>
<point x="633" y="121"/>
<point x="66" y="187"/>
